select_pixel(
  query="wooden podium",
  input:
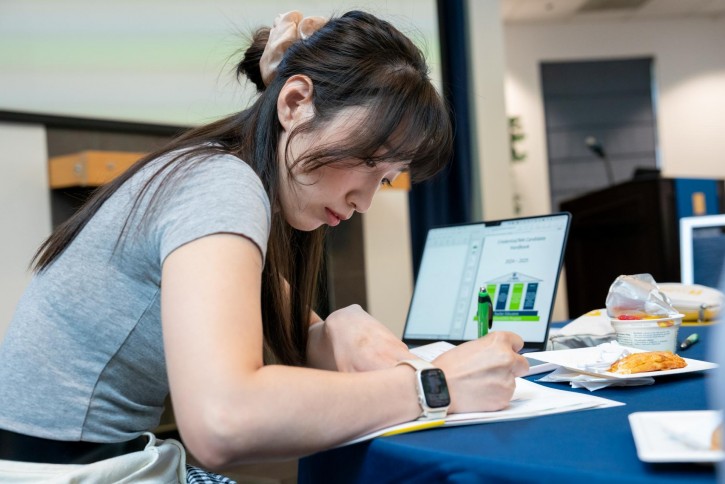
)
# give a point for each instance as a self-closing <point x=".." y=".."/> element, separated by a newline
<point x="630" y="228"/>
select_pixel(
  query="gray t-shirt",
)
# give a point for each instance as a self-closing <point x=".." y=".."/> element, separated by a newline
<point x="83" y="358"/>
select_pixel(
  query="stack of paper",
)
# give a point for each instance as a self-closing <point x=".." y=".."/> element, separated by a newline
<point x="529" y="400"/>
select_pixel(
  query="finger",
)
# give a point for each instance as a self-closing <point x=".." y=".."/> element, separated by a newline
<point x="518" y="344"/>
<point x="521" y="366"/>
<point x="511" y="339"/>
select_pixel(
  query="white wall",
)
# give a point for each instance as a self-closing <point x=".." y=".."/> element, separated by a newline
<point x="388" y="261"/>
<point x="689" y="74"/>
<point x="25" y="214"/>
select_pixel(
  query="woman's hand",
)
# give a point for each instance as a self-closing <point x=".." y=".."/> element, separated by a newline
<point x="480" y="373"/>
<point x="356" y="341"/>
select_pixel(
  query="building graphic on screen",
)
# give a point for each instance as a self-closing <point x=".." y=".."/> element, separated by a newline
<point x="514" y="297"/>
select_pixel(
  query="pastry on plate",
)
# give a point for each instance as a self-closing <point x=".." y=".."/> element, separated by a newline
<point x="648" y="361"/>
<point x="716" y="443"/>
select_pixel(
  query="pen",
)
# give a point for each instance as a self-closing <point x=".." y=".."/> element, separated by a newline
<point x="485" y="312"/>
<point x="689" y="341"/>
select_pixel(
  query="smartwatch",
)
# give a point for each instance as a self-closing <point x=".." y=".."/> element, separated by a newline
<point x="432" y="389"/>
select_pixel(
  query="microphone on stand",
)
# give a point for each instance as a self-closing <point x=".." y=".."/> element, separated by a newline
<point x="596" y="147"/>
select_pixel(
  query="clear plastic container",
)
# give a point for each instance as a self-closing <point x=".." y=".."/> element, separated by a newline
<point x="658" y="334"/>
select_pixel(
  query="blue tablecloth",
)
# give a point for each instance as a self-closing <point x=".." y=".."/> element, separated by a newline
<point x="593" y="446"/>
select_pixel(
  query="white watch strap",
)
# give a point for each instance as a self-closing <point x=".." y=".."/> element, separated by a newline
<point x="428" y="413"/>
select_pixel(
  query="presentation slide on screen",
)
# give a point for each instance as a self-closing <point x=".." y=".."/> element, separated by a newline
<point x="518" y="274"/>
<point x="518" y="264"/>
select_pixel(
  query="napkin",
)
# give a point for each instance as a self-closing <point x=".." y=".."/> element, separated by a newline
<point x="592" y="383"/>
<point x="609" y="352"/>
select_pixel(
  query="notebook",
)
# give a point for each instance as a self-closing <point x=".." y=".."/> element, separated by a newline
<point x="518" y="261"/>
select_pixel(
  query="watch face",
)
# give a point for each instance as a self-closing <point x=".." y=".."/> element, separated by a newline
<point x="435" y="388"/>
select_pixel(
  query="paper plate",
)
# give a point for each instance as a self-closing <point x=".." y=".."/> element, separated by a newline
<point x="675" y="436"/>
<point x="578" y="359"/>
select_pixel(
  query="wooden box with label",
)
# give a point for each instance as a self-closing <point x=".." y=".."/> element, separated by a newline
<point x="89" y="168"/>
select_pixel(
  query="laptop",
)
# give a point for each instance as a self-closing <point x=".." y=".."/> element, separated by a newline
<point x="517" y="260"/>
<point x="702" y="249"/>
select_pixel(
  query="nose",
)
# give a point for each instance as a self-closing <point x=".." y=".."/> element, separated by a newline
<point x="361" y="199"/>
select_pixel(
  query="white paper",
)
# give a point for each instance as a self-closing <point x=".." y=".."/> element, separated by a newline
<point x="529" y="400"/>
<point x="432" y="351"/>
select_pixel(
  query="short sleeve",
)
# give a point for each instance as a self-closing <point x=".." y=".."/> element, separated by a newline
<point x="219" y="194"/>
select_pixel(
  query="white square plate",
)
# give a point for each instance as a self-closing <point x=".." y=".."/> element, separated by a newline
<point x="577" y="359"/>
<point x="675" y="436"/>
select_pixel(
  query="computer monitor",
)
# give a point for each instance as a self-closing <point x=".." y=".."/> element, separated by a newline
<point x="702" y="249"/>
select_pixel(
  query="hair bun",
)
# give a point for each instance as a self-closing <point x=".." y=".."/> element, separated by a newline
<point x="249" y="65"/>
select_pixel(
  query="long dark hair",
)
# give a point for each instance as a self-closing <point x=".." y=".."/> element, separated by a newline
<point x="355" y="60"/>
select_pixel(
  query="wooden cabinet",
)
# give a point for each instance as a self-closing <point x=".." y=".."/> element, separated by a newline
<point x="89" y="168"/>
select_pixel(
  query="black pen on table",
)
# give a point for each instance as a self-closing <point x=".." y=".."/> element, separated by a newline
<point x="689" y="341"/>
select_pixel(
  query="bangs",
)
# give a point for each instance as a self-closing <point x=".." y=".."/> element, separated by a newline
<point x="408" y="123"/>
<point x="413" y="126"/>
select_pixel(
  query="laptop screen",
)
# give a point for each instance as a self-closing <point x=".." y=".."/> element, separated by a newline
<point x="702" y="249"/>
<point x="518" y="262"/>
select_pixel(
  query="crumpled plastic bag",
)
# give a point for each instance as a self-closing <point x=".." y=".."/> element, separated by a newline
<point x="638" y="295"/>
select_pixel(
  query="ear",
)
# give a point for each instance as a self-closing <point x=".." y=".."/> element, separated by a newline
<point x="294" y="103"/>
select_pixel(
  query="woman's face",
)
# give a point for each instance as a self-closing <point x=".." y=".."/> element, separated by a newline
<point x="331" y="193"/>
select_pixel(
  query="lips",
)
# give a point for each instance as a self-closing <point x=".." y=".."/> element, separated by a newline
<point x="333" y="218"/>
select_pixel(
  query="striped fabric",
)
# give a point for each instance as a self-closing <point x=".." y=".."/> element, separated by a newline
<point x="194" y="475"/>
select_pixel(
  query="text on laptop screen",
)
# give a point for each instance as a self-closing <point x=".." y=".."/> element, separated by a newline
<point x="517" y="261"/>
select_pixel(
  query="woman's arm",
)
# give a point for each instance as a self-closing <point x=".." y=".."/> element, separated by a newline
<point x="352" y="340"/>
<point x="231" y="408"/>
<point x="228" y="406"/>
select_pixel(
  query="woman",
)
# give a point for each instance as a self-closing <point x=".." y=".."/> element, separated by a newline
<point x="199" y="265"/>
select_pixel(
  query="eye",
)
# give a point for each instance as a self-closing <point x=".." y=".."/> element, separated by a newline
<point x="386" y="183"/>
<point x="370" y="163"/>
